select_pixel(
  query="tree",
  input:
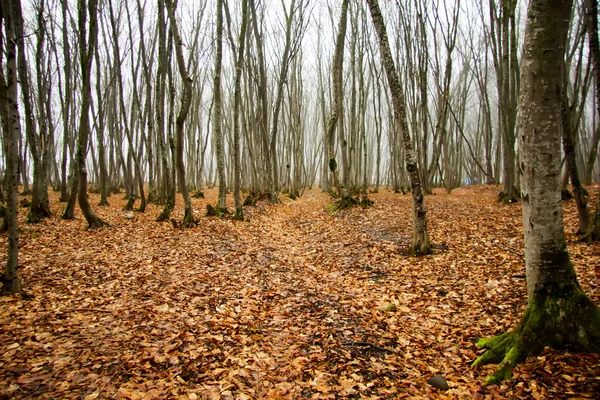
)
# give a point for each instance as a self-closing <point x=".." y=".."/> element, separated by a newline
<point x="87" y="48"/>
<point x="591" y="14"/>
<point x="559" y="312"/>
<point x="337" y="110"/>
<point x="11" y="130"/>
<point x="122" y="107"/>
<point x="39" y="200"/>
<point x="237" y="102"/>
<point x="186" y="100"/>
<point x="420" y="243"/>
<point x="217" y="112"/>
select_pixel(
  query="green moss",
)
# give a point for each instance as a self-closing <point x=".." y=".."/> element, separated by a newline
<point x="557" y="315"/>
<point x="216" y="211"/>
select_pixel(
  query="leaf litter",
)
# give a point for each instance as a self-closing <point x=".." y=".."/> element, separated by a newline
<point x="292" y="303"/>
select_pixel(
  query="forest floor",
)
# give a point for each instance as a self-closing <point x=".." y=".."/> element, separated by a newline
<point x="283" y="305"/>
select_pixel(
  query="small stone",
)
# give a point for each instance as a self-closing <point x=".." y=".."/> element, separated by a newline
<point x="438" y="382"/>
<point x="129" y="216"/>
<point x="387" y="307"/>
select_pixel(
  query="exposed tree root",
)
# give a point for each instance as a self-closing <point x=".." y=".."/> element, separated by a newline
<point x="129" y="205"/>
<point x="365" y="202"/>
<point x="343" y="203"/>
<point x="103" y="203"/>
<point x="553" y="318"/>
<point x="37" y="214"/>
<point x="253" y="197"/>
<point x="198" y="194"/>
<point x="508" y="198"/>
<point x="216" y="211"/>
<point x="97" y="223"/>
<point x="349" y="201"/>
<point x="188" y="221"/>
<point x="165" y="215"/>
<point x="421" y="250"/>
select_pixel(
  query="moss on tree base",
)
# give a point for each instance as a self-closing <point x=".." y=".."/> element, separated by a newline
<point x="421" y="250"/>
<point x="188" y="221"/>
<point x="216" y="211"/>
<point x="166" y="213"/>
<point x="252" y="198"/>
<point x="343" y="203"/>
<point x="129" y="205"/>
<point x="37" y="214"/>
<point x="554" y="317"/>
<point x="508" y="198"/>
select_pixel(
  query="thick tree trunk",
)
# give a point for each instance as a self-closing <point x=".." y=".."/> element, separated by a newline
<point x="559" y="313"/>
<point x="11" y="133"/>
<point x="40" y="208"/>
<point x="420" y="245"/>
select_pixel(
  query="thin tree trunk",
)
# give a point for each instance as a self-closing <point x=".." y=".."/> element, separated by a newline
<point x="237" y="101"/>
<point x="421" y="243"/>
<point x="186" y="100"/>
<point x="87" y="47"/>
<point x="337" y="112"/>
<point x="217" y="123"/>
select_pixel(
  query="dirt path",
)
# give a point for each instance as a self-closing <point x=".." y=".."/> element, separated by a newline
<point x="284" y="305"/>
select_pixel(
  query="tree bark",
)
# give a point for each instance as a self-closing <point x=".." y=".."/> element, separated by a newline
<point x="237" y="102"/>
<point x="420" y="245"/>
<point x="87" y="48"/>
<point x="11" y="132"/>
<point x="558" y="313"/>
<point x="40" y="207"/>
<point x="186" y="100"/>
<point x="217" y="125"/>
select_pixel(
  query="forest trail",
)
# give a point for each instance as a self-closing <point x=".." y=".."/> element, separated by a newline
<point x="283" y="305"/>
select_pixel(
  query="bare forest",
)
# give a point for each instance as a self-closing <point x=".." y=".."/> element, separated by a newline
<point x="299" y="199"/>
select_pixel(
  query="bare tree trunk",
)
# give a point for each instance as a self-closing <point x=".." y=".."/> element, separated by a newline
<point x="558" y="312"/>
<point x="103" y="178"/>
<point x="217" y="115"/>
<point x="11" y="132"/>
<point x="161" y="82"/>
<point x="263" y="112"/>
<point x="128" y="134"/>
<point x="186" y="100"/>
<point x="337" y="112"/>
<point x="237" y="102"/>
<point x="87" y="47"/>
<point x="40" y="208"/>
<point x="420" y="244"/>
